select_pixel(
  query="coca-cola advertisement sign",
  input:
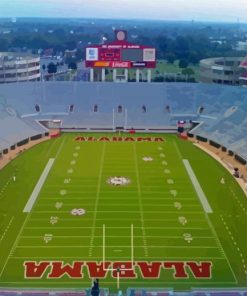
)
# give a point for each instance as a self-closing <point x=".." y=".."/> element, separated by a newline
<point x="120" y="64"/>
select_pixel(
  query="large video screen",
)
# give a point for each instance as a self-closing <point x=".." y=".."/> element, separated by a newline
<point x="133" y="55"/>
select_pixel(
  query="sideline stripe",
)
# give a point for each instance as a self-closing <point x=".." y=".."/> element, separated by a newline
<point x="38" y="187"/>
<point x="203" y="199"/>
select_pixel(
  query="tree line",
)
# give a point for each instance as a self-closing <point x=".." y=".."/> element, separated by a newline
<point x="175" y="44"/>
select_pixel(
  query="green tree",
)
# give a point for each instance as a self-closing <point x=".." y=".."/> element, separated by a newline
<point x="170" y="57"/>
<point x="159" y="79"/>
<point x="52" y="68"/>
<point x="4" y="44"/>
<point x="183" y="64"/>
<point x="188" y="72"/>
<point x="72" y="66"/>
<point x="80" y="55"/>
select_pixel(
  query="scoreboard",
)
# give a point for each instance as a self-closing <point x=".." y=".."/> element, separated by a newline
<point x="120" y="54"/>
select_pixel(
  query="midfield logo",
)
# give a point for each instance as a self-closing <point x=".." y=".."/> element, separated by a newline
<point x="147" y="270"/>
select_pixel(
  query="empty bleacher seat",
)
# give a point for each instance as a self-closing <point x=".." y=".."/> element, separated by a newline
<point x="223" y="115"/>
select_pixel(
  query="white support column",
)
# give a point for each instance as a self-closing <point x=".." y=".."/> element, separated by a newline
<point x="149" y="75"/>
<point x="91" y="75"/>
<point x="114" y="75"/>
<point x="125" y="118"/>
<point x="103" y="74"/>
<point x="137" y="75"/>
<point x="113" y="119"/>
<point x="126" y="74"/>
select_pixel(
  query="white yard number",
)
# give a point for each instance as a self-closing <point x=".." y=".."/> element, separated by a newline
<point x="188" y="237"/>
<point x="178" y="205"/>
<point x="67" y="181"/>
<point x="170" y="181"/>
<point x="182" y="220"/>
<point x="53" y="220"/>
<point x="78" y="212"/>
<point x="47" y="238"/>
<point x="58" y="205"/>
<point x="174" y="193"/>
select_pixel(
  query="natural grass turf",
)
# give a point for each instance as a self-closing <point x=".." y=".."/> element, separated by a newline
<point x="146" y="203"/>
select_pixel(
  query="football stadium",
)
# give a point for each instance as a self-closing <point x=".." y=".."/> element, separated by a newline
<point x="139" y="187"/>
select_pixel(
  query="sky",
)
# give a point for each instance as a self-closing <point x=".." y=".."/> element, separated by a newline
<point x="198" y="10"/>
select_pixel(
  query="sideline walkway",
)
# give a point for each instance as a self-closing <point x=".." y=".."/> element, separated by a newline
<point x="227" y="161"/>
<point x="12" y="154"/>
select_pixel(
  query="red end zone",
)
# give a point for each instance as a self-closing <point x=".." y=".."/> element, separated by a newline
<point x="147" y="270"/>
<point x="119" y="139"/>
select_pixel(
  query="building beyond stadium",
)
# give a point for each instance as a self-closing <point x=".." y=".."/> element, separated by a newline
<point x="19" y="67"/>
<point x="224" y="70"/>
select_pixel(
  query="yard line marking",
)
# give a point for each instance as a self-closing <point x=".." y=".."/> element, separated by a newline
<point x="7" y="228"/>
<point x="74" y="185"/>
<point x="14" y="246"/>
<point x="82" y="227"/>
<point x="140" y="202"/>
<point x="242" y="207"/>
<point x="177" y="149"/>
<point x="207" y="208"/>
<point x="127" y="212"/>
<point x="59" y="149"/>
<point x="119" y="236"/>
<point x="155" y="219"/>
<point x="202" y="197"/>
<point x="51" y="147"/>
<point x="118" y="246"/>
<point x="116" y="258"/>
<point x="130" y="208"/>
<point x="97" y="199"/>
<point x="32" y="199"/>
<point x="220" y="246"/>
<point x="235" y="243"/>
<point x="4" y="187"/>
<point x="132" y="249"/>
<point x="121" y="197"/>
<point x="164" y="203"/>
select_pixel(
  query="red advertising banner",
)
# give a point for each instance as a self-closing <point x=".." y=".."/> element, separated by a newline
<point x="105" y="64"/>
<point x="120" y="65"/>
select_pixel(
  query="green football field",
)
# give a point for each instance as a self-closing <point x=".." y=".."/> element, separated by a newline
<point x="178" y="207"/>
